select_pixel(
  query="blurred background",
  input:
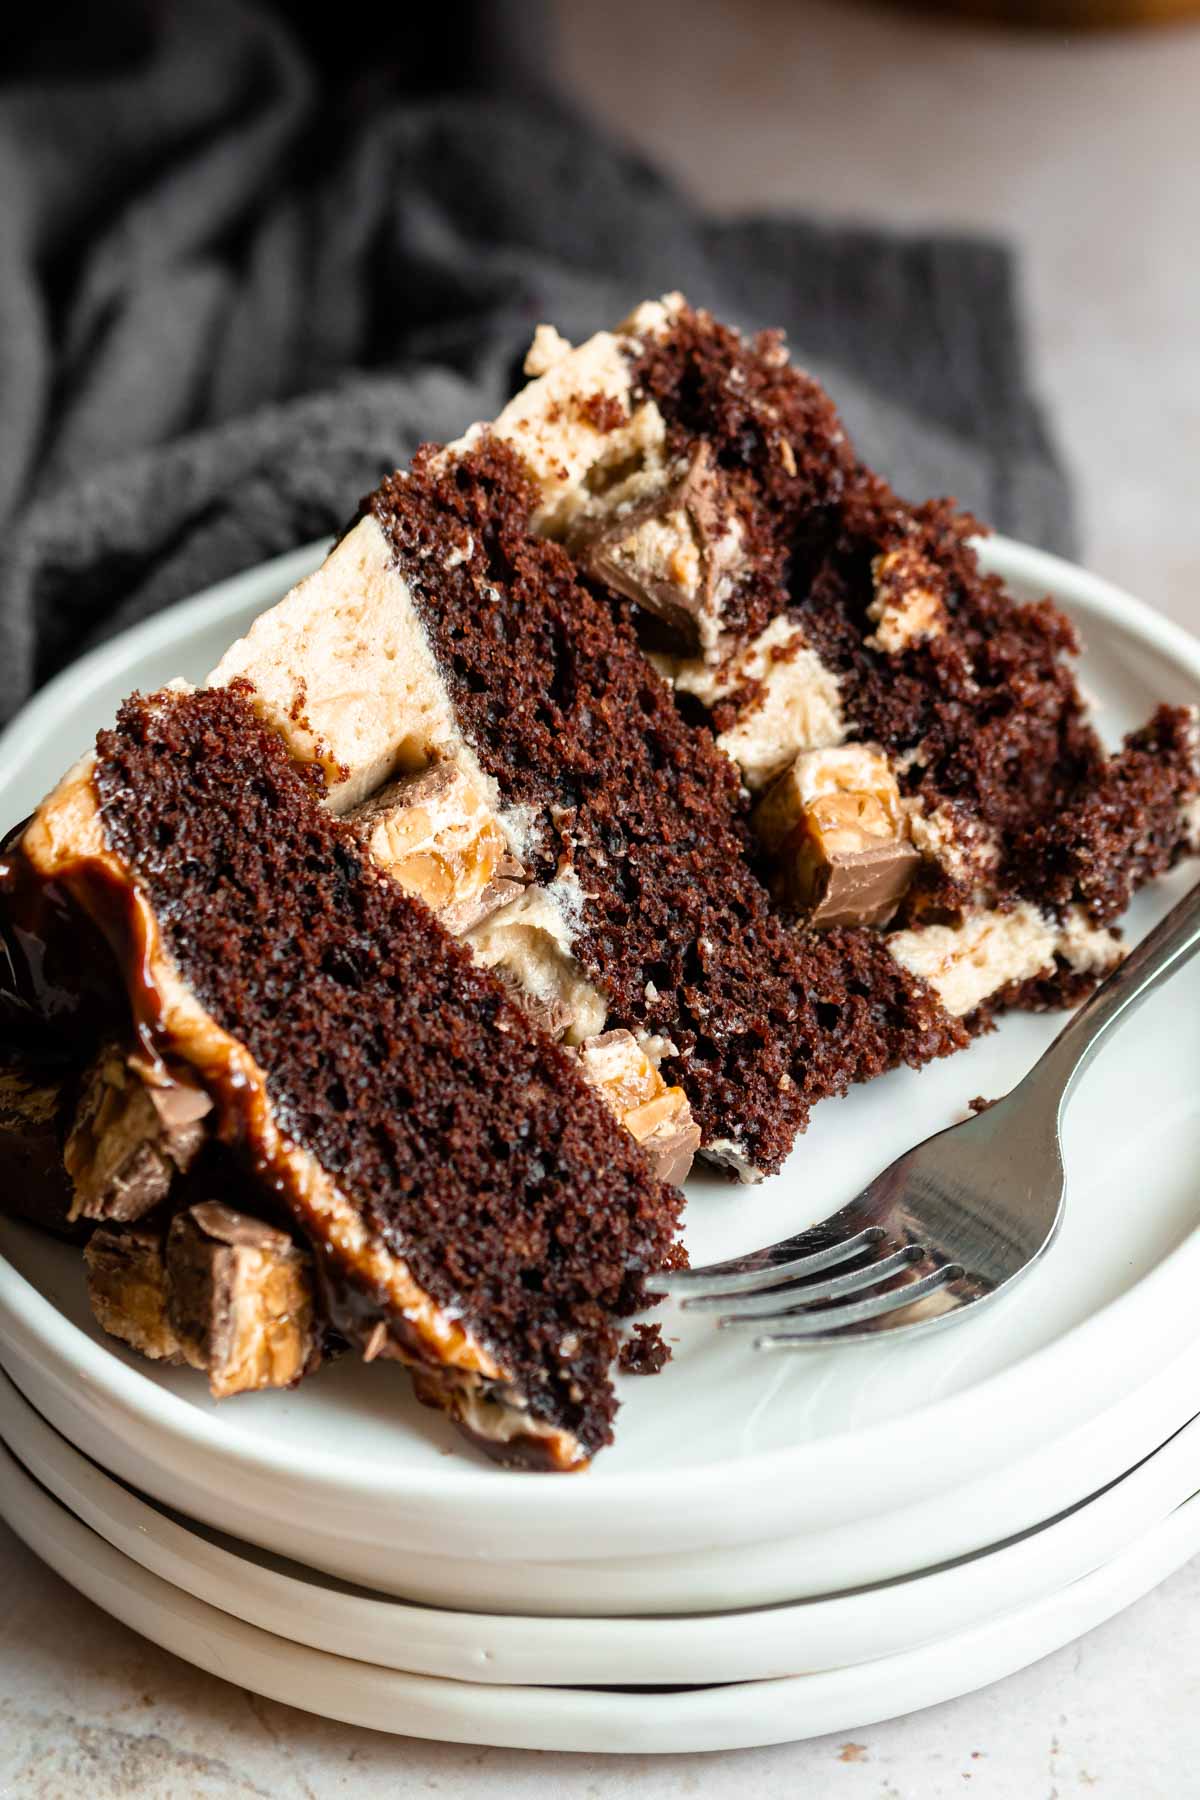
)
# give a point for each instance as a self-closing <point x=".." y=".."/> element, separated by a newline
<point x="1079" y="146"/>
<point x="251" y="253"/>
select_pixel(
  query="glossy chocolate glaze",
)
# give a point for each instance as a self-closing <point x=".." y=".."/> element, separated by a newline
<point x="59" y="986"/>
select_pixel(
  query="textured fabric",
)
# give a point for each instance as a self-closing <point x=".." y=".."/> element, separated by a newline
<point x="228" y="304"/>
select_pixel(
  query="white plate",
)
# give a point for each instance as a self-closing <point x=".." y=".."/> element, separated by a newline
<point x="723" y="1448"/>
<point x="612" y="1721"/>
<point x="956" y="1522"/>
<point x="750" y="1645"/>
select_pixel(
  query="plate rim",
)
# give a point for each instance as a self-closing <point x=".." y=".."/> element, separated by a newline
<point x="515" y="1505"/>
<point x="751" y="1643"/>
<point x="723" y="1716"/>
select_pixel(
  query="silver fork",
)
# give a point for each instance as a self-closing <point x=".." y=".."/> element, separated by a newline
<point x="951" y="1223"/>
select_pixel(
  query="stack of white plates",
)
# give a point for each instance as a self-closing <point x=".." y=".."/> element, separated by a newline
<point x="774" y="1547"/>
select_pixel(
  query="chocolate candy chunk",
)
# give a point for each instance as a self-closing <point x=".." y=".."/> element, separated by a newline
<point x="674" y="552"/>
<point x="857" y="887"/>
<point x="239" y="1300"/>
<point x="130" y="1139"/>
<point x="671" y="1150"/>
<point x="834" y="826"/>
<point x="35" y="1108"/>
<point x="436" y="836"/>
<point x="127" y="1286"/>
<point x="658" y="1116"/>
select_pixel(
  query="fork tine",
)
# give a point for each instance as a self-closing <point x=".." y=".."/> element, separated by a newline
<point x="826" y="1322"/>
<point x="783" y="1305"/>
<point x="746" y="1274"/>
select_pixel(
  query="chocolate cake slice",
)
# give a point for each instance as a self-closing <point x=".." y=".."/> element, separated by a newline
<point x="911" y="738"/>
<point x="664" y="538"/>
<point x="470" y="1206"/>
<point x="634" y="774"/>
<point x="447" y="632"/>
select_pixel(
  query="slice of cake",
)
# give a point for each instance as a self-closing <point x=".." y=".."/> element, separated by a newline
<point x="898" y="829"/>
<point x="470" y="1205"/>
<point x="634" y="774"/>
<point x="446" y="632"/>
<point x="911" y="738"/>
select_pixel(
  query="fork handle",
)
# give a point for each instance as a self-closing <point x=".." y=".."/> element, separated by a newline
<point x="1161" y="953"/>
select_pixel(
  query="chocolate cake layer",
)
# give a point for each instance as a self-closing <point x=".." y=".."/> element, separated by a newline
<point x="849" y="623"/>
<point x="472" y="1207"/>
<point x="932" y="658"/>
<point x="636" y="812"/>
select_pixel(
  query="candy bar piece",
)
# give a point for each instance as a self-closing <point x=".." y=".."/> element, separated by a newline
<point x="676" y="550"/>
<point x="656" y="1115"/>
<point x="127" y="1286"/>
<point x="437" y="837"/>
<point x="130" y="1138"/>
<point x="528" y="944"/>
<point x="833" y="824"/>
<point x="35" y="1108"/>
<point x="239" y="1299"/>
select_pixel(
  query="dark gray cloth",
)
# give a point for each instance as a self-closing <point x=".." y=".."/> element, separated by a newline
<point x="228" y="303"/>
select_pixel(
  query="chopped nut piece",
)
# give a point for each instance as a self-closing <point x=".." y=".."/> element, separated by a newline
<point x="834" y="824"/>
<point x="240" y="1300"/>
<point x="130" y="1139"/>
<point x="907" y="608"/>
<point x="436" y="836"/>
<point x="658" y="1116"/>
<point x="674" y="552"/>
<point x="127" y="1286"/>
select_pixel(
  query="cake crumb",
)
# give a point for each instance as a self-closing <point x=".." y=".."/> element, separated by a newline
<point x="645" y="1353"/>
<point x="979" y="1104"/>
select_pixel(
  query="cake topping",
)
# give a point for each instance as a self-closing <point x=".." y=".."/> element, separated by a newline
<point x="127" y="1287"/>
<point x="130" y="1139"/>
<point x="835" y="830"/>
<point x="528" y="944"/>
<point x="989" y="952"/>
<point x="907" y="607"/>
<point x="435" y="835"/>
<point x="675" y="552"/>
<point x="548" y="347"/>
<point x="36" y="1106"/>
<point x="657" y="1116"/>
<point x="770" y="699"/>
<point x="239" y="1299"/>
<point x="342" y="671"/>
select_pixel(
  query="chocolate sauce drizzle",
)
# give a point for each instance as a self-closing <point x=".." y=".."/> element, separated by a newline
<point x="60" y="987"/>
